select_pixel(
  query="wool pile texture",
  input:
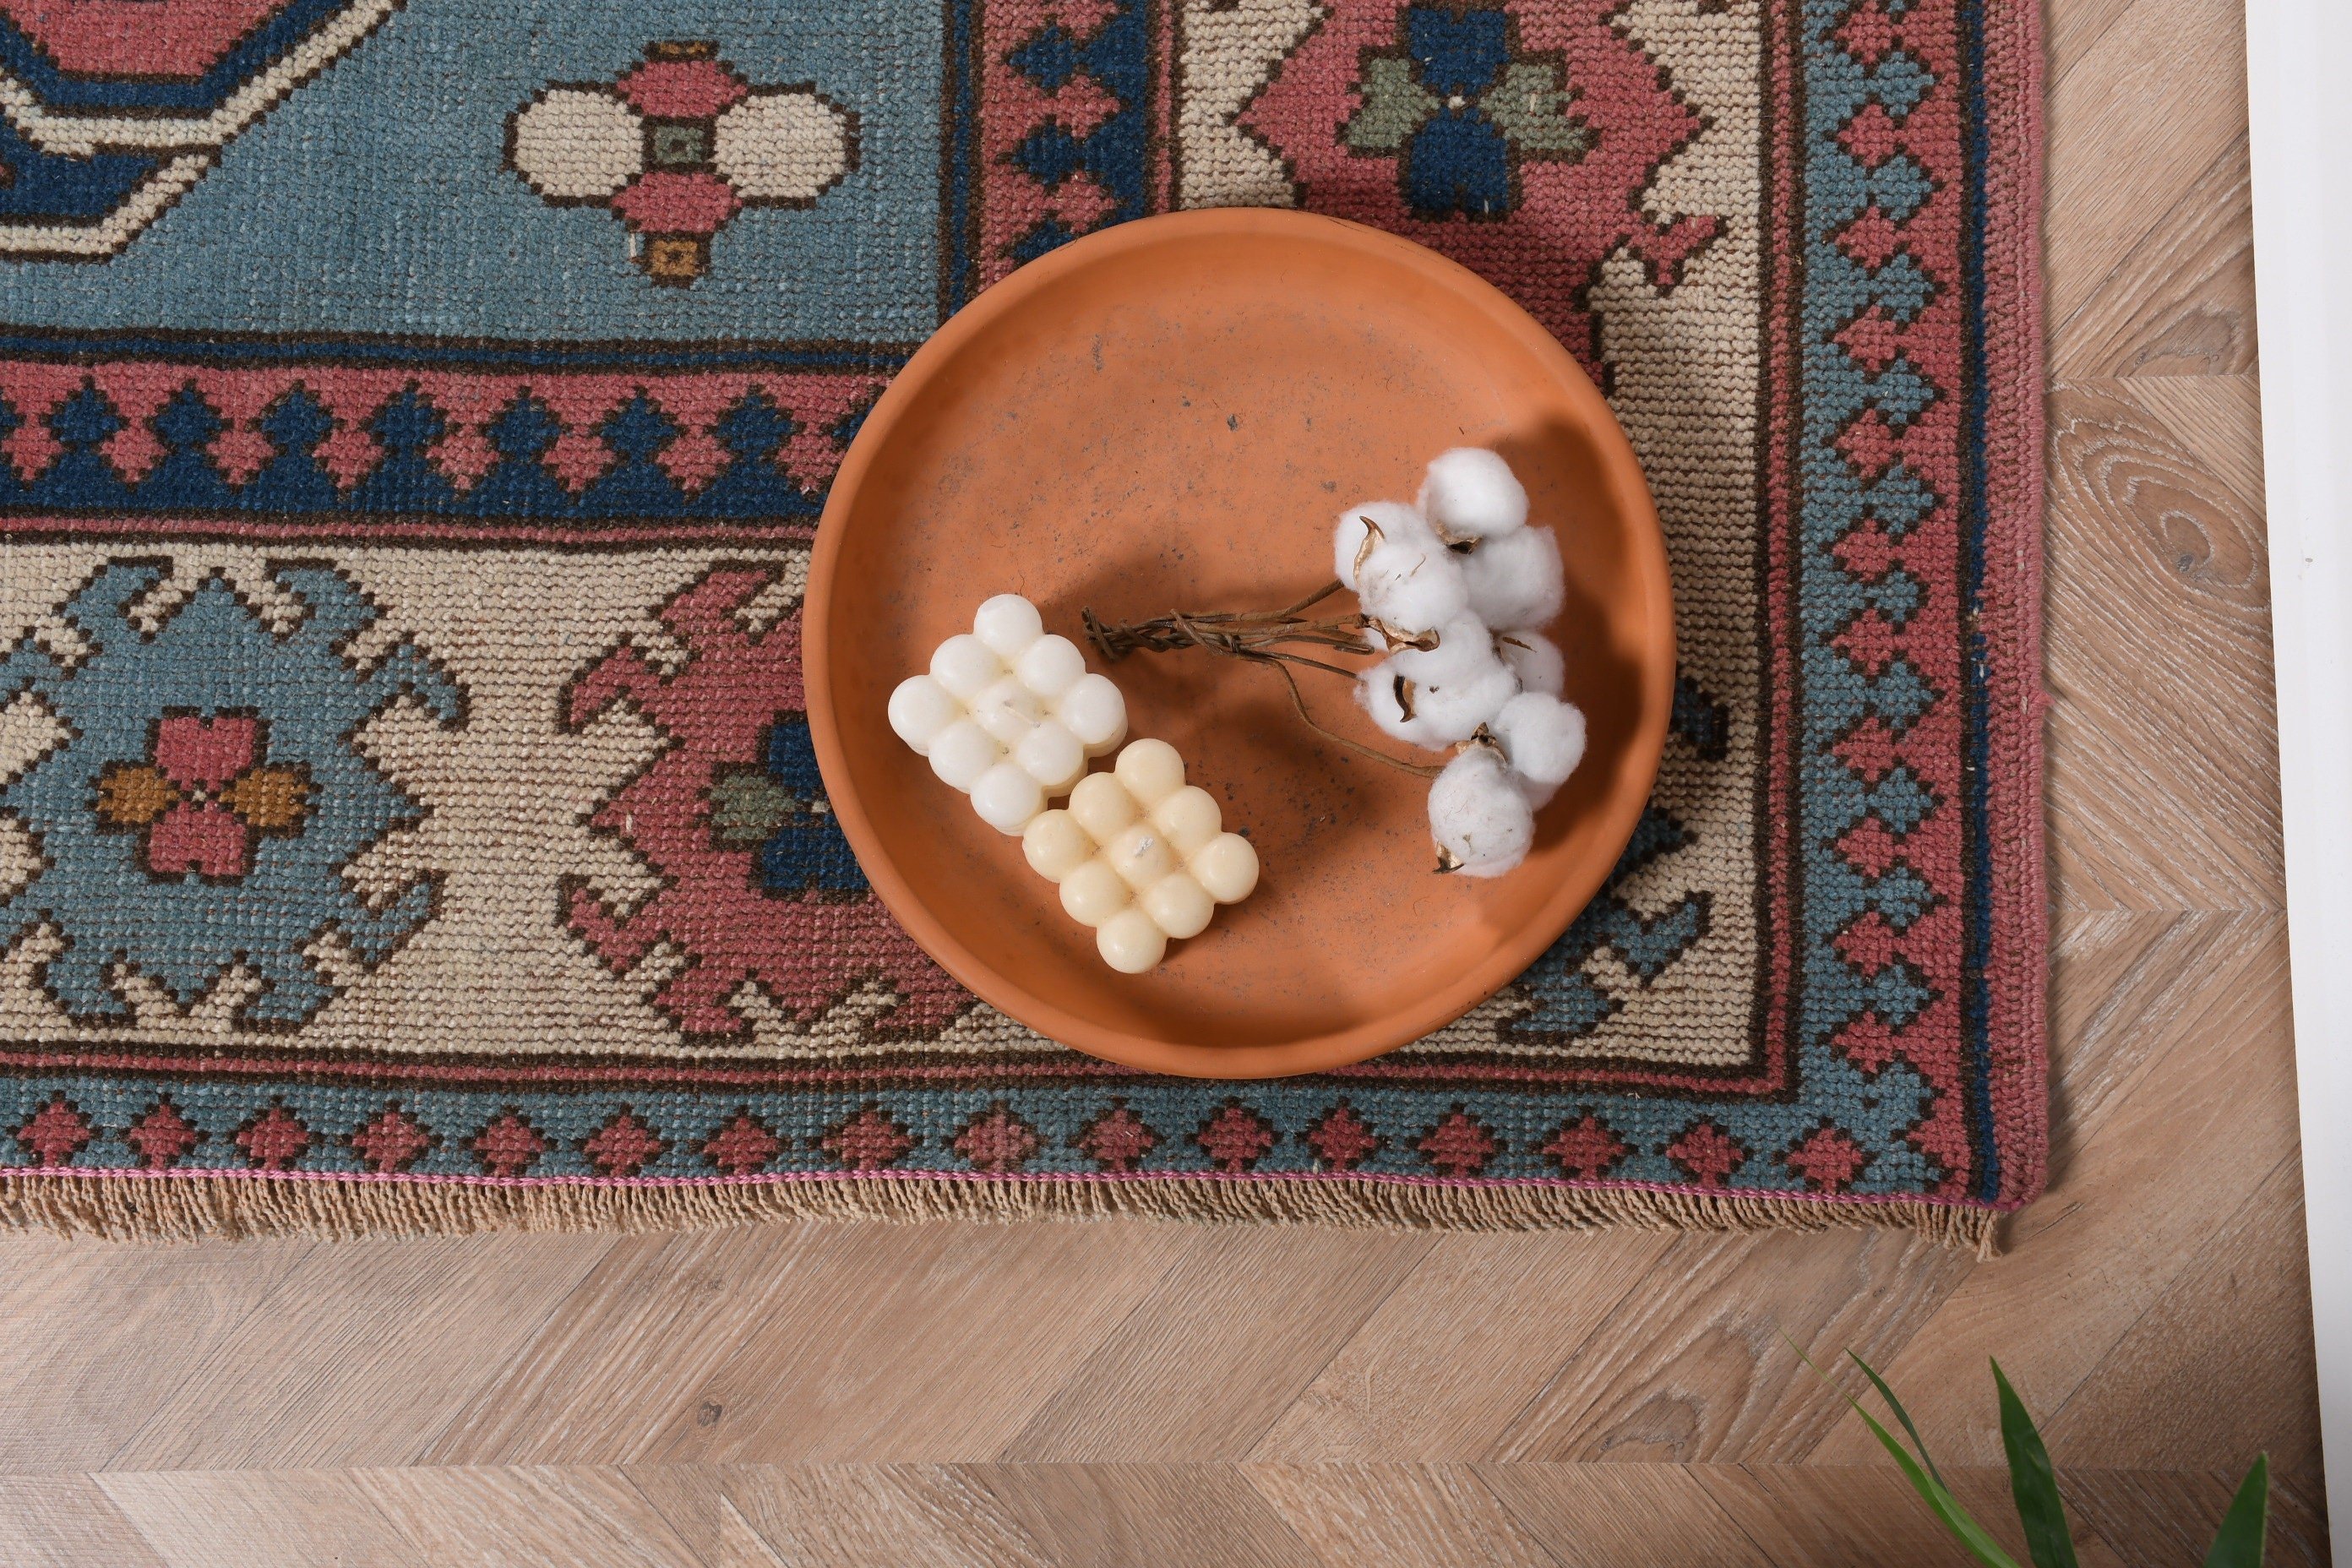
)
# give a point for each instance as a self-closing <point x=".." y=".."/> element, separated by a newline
<point x="412" y="421"/>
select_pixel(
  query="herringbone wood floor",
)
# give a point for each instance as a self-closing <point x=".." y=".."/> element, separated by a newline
<point x="1139" y="1393"/>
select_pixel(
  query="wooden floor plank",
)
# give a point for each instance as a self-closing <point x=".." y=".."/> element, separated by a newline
<point x="1607" y="1515"/>
<point x="2169" y="1516"/>
<point x="524" y="1517"/>
<point x="1146" y="1516"/>
<point x="938" y="1342"/>
<point x="65" y="1522"/>
<point x="865" y="1516"/>
<point x="2233" y="1294"/>
<point x="257" y="1519"/>
<point x="1236" y="1332"/>
<point x="2131" y="131"/>
<point x="1696" y="1365"/>
<point x="1431" y="1376"/>
<point x="1866" y="1516"/>
<point x="1411" y="1516"/>
<point x="2163" y="772"/>
<point x="2181" y="302"/>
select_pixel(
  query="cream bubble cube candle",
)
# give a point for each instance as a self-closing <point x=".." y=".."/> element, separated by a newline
<point x="1141" y="856"/>
<point x="1009" y="713"/>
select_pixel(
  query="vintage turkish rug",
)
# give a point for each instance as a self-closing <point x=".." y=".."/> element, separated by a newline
<point x="413" y="419"/>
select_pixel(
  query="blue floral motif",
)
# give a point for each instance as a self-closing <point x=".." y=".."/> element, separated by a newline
<point x="212" y="657"/>
<point x="778" y="809"/>
<point x="1460" y="108"/>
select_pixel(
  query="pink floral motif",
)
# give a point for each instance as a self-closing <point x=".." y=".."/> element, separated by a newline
<point x="205" y="797"/>
<point x="677" y="147"/>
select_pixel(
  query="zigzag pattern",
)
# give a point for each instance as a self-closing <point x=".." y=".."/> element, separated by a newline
<point x="1064" y="129"/>
<point x="1880" y="950"/>
<point x="159" y="437"/>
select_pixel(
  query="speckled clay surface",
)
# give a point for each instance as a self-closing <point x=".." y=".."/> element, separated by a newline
<point x="1169" y="415"/>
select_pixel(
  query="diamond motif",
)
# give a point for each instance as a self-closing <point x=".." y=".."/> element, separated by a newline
<point x="1459" y="1145"/>
<point x="1118" y="1140"/>
<point x="1828" y="1159"/>
<point x="1585" y="1149"/>
<point x="743" y="1146"/>
<point x="623" y="1146"/>
<point x="1342" y="1139"/>
<point x="868" y="1141"/>
<point x="508" y="1146"/>
<point x="1234" y="1137"/>
<point x="55" y="1133"/>
<point x="391" y="1140"/>
<point x="996" y="1141"/>
<point x="162" y="1137"/>
<point x="274" y="1140"/>
<point x="1708" y="1153"/>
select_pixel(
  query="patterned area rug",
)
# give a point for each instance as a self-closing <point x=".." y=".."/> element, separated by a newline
<point x="412" y="421"/>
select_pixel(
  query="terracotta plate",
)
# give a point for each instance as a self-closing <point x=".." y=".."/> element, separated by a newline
<point x="1171" y="414"/>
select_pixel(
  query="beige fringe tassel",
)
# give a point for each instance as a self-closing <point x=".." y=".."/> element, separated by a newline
<point x="195" y="1208"/>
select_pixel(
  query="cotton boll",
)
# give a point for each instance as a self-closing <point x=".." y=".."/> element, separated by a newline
<point x="965" y="665"/>
<point x="1051" y="665"/>
<point x="1465" y="649"/>
<point x="1052" y="755"/>
<point x="1190" y="818"/>
<point x="919" y="708"/>
<point x="1178" y="905"/>
<point x="1471" y="493"/>
<point x="1007" y="710"/>
<point x="1378" y="694"/>
<point x="1395" y="522"/>
<point x="1542" y="736"/>
<point x="1130" y="942"/>
<point x="1055" y="845"/>
<point x="1453" y="712"/>
<point x="1227" y="867"/>
<point x="1152" y="770"/>
<point x="1008" y="624"/>
<point x="1538" y="796"/>
<point x="1094" y="712"/>
<point x="1093" y="893"/>
<point x="1415" y="586"/>
<point x="1515" y="581"/>
<point x="1007" y="798"/>
<point x="1102" y="806"/>
<point x="1479" y="818"/>
<point x="961" y="752"/>
<point x="1535" y="658"/>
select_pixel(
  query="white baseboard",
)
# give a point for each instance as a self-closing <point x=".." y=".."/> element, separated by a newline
<point x="2301" y="115"/>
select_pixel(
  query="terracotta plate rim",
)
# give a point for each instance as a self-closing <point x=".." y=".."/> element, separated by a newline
<point x="1277" y="229"/>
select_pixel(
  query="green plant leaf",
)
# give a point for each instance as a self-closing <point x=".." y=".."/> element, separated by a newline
<point x="2032" y="1482"/>
<point x="1900" y="1415"/>
<point x="2238" y="1542"/>
<point x="1941" y="1502"/>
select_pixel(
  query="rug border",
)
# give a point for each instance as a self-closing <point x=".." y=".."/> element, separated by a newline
<point x="191" y="1206"/>
<point x="2017" y="971"/>
<point x="197" y="1205"/>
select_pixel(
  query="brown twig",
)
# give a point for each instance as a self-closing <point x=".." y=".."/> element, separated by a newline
<point x="1270" y="638"/>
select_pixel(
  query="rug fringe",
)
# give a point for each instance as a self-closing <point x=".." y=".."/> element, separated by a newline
<point x="124" y="1208"/>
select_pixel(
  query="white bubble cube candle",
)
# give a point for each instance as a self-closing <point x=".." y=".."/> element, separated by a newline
<point x="1141" y="856"/>
<point x="1009" y="713"/>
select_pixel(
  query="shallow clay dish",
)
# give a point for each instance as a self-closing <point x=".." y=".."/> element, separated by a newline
<point x="1171" y="414"/>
